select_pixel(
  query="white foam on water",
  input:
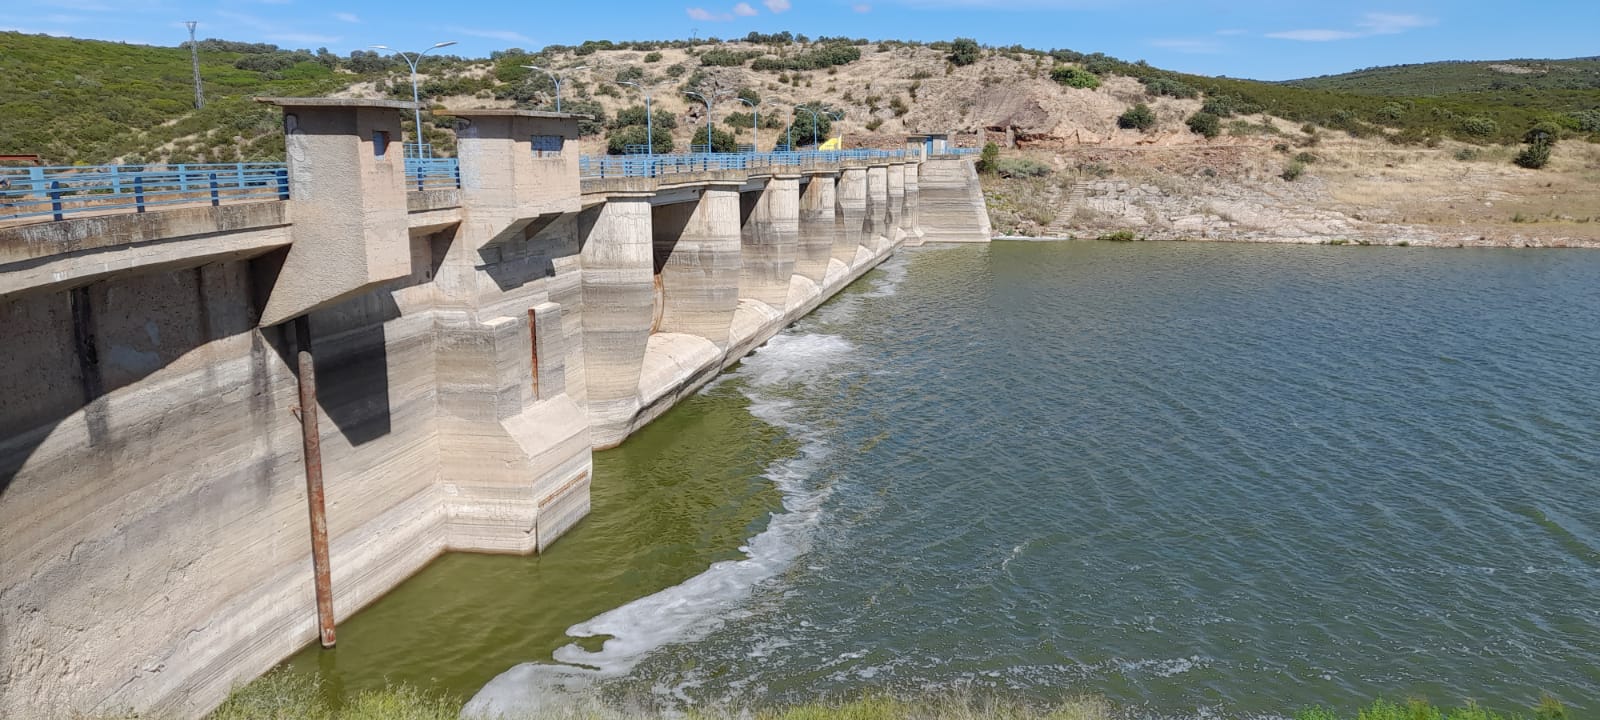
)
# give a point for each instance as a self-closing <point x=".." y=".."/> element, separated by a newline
<point x="892" y="275"/>
<point x="701" y="604"/>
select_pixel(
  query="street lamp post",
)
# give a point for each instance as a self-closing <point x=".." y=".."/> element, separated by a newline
<point x="711" y="121"/>
<point x="416" y="102"/>
<point x="755" y="123"/>
<point x="649" y="119"/>
<point x="556" y="79"/>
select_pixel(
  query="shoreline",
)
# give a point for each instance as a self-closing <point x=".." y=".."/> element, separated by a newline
<point x="1399" y="241"/>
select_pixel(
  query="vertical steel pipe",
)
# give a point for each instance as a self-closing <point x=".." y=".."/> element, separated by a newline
<point x="314" y="498"/>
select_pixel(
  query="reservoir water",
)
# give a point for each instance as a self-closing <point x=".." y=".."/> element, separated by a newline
<point x="1198" y="480"/>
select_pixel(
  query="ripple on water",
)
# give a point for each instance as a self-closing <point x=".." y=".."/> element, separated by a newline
<point x="1200" y="480"/>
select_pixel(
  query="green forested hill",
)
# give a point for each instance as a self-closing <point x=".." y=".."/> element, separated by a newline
<point x="1446" y="78"/>
<point x="75" y="100"/>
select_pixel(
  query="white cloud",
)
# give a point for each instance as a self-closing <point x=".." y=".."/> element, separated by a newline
<point x="1387" y="24"/>
<point x="1314" y="35"/>
<point x="1232" y="31"/>
<point x="744" y="10"/>
<point x="777" y="6"/>
<point x="502" y="35"/>
<point x="346" y="17"/>
<point x="861" y="8"/>
<point x="707" y="16"/>
<point x="1370" y="25"/>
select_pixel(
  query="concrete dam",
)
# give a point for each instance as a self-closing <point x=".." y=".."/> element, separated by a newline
<point x="229" y="426"/>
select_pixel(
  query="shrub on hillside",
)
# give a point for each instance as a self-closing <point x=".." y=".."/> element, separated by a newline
<point x="631" y="72"/>
<point x="1139" y="117"/>
<point x="652" y="57"/>
<point x="1293" y="170"/>
<point x="1169" y="87"/>
<point x="1586" y="121"/>
<point x="1075" y="77"/>
<point x="618" y="141"/>
<point x="721" y="57"/>
<point x="630" y="116"/>
<point x="1541" y="138"/>
<point x="989" y="159"/>
<point x="819" y="57"/>
<point x="964" y="51"/>
<point x="1204" y="123"/>
<point x="1020" y="168"/>
<point x="1478" y="127"/>
<point x="1533" y="157"/>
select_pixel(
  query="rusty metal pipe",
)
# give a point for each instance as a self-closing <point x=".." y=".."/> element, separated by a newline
<point x="314" y="499"/>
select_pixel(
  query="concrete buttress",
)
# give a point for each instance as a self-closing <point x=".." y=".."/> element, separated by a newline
<point x="619" y="310"/>
<point x="770" y="238"/>
<point x="697" y="253"/>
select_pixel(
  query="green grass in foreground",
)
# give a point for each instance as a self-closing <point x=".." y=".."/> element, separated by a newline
<point x="284" y="695"/>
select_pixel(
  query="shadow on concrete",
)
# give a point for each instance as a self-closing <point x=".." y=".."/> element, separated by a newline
<point x="666" y="228"/>
<point x="65" y="352"/>
<point x="514" y="264"/>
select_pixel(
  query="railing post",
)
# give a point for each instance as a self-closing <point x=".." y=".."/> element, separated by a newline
<point x="55" y="199"/>
<point x="36" y="179"/>
<point x="421" y="173"/>
<point x="116" y="181"/>
<point x="138" y="193"/>
<point x="183" y="179"/>
<point x="283" y="183"/>
<point x="456" y="171"/>
<point x="241" y="186"/>
<point x="214" y="199"/>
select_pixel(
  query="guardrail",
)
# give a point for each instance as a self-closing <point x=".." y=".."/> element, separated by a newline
<point x="605" y="166"/>
<point x="57" y="192"/>
<point x="433" y="173"/>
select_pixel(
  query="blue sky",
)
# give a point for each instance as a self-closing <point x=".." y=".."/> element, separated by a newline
<point x="1242" y="38"/>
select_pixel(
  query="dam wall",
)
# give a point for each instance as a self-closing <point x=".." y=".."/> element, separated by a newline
<point x="464" y="349"/>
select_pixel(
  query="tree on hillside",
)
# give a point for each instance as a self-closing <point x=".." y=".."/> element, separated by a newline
<point x="721" y="140"/>
<point x="618" y="140"/>
<point x="989" y="160"/>
<point x="1541" y="139"/>
<point x="800" y="131"/>
<point x="964" y="51"/>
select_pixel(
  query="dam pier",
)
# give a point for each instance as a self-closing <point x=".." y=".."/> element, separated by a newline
<point x="229" y="425"/>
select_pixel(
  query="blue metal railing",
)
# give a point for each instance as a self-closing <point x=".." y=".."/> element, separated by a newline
<point x="433" y="174"/>
<point x="56" y="192"/>
<point x="605" y="166"/>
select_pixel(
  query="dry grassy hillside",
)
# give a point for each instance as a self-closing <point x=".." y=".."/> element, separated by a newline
<point x="1289" y="188"/>
<point x="890" y="91"/>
